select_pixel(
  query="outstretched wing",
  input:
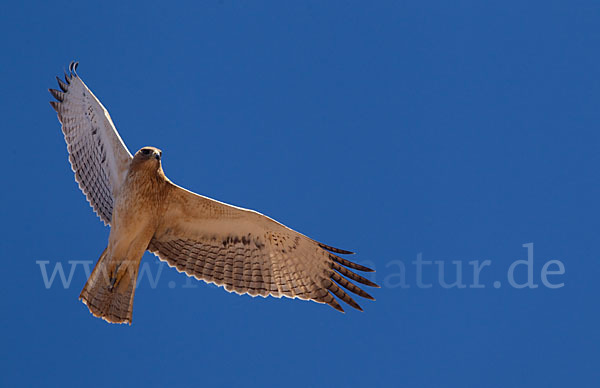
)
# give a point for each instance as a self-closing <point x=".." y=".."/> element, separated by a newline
<point x="97" y="154"/>
<point x="249" y="253"/>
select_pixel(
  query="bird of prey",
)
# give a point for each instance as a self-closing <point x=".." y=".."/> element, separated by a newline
<point x="239" y="249"/>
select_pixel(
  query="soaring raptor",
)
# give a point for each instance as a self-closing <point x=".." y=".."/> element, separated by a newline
<point x="239" y="249"/>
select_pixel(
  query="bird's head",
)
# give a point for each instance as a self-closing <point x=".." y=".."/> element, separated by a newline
<point x="148" y="155"/>
<point x="147" y="161"/>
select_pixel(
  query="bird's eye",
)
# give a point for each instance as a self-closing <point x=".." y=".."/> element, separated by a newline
<point x="145" y="151"/>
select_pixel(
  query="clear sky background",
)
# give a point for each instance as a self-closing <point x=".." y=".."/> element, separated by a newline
<point x="456" y="130"/>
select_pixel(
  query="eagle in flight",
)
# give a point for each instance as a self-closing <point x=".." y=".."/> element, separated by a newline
<point x="239" y="249"/>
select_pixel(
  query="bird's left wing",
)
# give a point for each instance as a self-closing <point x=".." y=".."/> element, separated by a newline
<point x="97" y="154"/>
<point x="249" y="253"/>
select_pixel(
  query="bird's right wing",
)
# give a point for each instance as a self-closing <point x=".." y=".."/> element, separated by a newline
<point x="249" y="253"/>
<point x="97" y="154"/>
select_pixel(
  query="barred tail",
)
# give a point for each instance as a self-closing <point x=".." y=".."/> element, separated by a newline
<point x="109" y="291"/>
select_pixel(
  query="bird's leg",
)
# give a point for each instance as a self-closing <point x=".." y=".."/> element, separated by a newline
<point x="122" y="270"/>
<point x="113" y="277"/>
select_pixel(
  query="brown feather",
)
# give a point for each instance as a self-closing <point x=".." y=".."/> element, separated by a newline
<point x="349" y="274"/>
<point x="63" y="86"/>
<point x="350" y="264"/>
<point x="60" y="96"/>
<point x="349" y="286"/>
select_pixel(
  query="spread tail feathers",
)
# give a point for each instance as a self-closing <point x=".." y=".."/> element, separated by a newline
<point x="109" y="291"/>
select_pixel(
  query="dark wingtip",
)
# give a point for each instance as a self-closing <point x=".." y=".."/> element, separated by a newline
<point x="372" y="284"/>
<point x="350" y="286"/>
<point x="350" y="264"/>
<point x="54" y="105"/>
<point x="63" y="86"/>
<point x="367" y="282"/>
<point x="56" y="94"/>
<point x="334" y="303"/>
<point x="355" y="305"/>
<point x="337" y="291"/>
<point x="351" y="275"/>
<point x="336" y="250"/>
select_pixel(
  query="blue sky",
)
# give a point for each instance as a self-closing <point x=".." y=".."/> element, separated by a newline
<point x="457" y="131"/>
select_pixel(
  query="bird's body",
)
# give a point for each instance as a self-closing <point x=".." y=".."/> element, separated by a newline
<point x="239" y="249"/>
<point x="137" y="212"/>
